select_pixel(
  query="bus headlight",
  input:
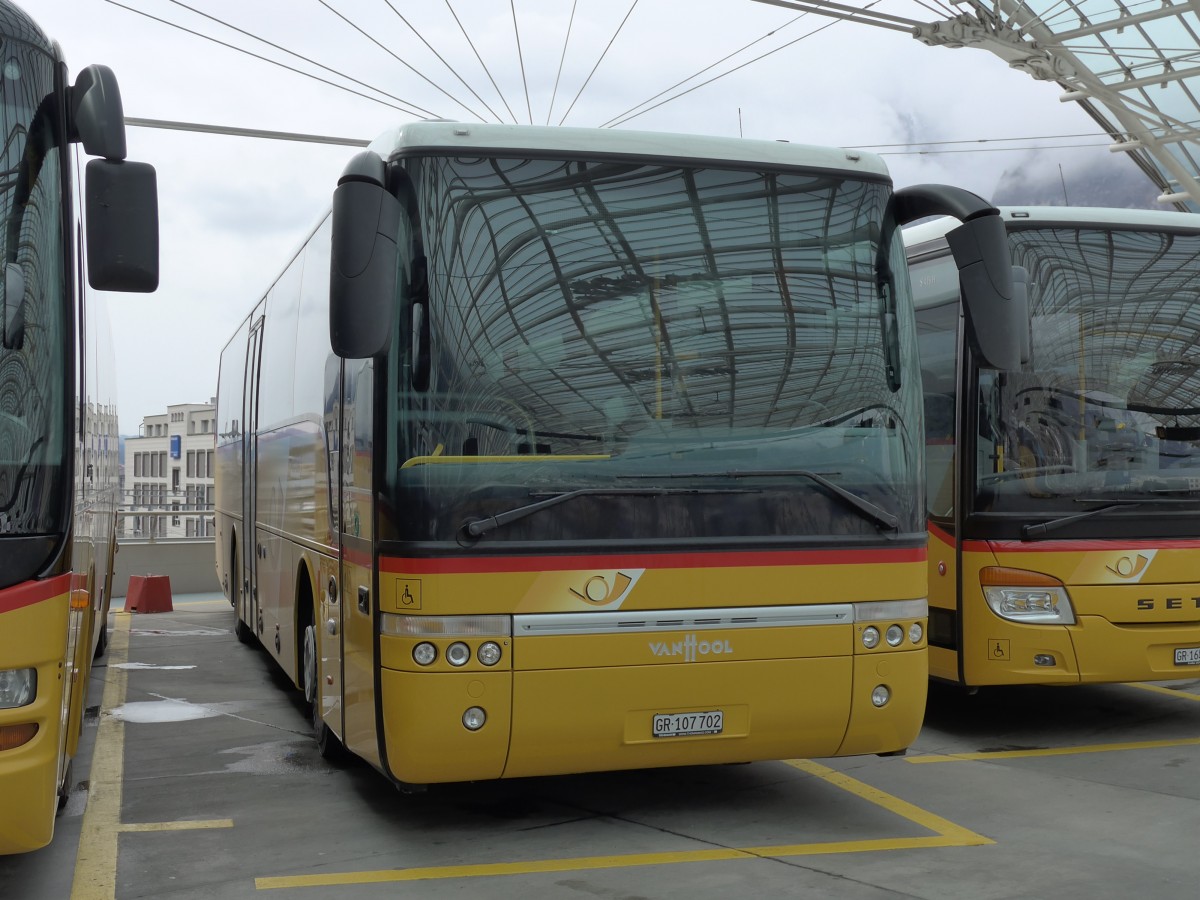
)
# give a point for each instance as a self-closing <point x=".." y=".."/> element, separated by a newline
<point x="488" y="653"/>
<point x="458" y="654"/>
<point x="894" y="636"/>
<point x="18" y="687"/>
<point x="424" y="653"/>
<point x="1028" y="597"/>
<point x="916" y="632"/>
<point x="881" y="695"/>
<point x="870" y="637"/>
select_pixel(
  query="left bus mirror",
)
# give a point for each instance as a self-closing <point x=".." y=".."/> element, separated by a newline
<point x="97" y="115"/>
<point x="363" y="260"/>
<point x="122" y="226"/>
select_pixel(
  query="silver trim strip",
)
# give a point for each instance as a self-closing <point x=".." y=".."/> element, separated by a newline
<point x="682" y="620"/>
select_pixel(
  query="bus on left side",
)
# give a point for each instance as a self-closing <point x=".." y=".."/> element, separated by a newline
<point x="63" y="224"/>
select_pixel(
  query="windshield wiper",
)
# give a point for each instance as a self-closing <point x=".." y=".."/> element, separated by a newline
<point x="1111" y="503"/>
<point x="479" y="527"/>
<point x="1028" y="531"/>
<point x="869" y="510"/>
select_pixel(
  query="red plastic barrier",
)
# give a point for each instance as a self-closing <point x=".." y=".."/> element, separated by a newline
<point x="149" y="594"/>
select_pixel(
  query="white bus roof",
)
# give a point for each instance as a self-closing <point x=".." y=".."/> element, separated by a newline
<point x="1063" y="215"/>
<point x="415" y="137"/>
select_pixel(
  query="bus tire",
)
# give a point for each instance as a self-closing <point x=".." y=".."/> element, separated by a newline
<point x="328" y="745"/>
<point x="241" y="630"/>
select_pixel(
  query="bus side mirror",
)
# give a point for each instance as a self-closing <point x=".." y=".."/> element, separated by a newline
<point x="993" y="314"/>
<point x="363" y="261"/>
<point x="97" y="115"/>
<point x="122" y="225"/>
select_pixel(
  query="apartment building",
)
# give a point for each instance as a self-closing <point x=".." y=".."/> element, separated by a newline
<point x="169" y="472"/>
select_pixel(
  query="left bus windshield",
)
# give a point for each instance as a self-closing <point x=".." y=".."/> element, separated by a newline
<point x="34" y="362"/>
<point x="684" y="347"/>
<point x="1108" y="408"/>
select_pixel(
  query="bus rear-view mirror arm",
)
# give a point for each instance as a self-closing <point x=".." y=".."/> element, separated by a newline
<point x="995" y="316"/>
<point x="363" y="262"/>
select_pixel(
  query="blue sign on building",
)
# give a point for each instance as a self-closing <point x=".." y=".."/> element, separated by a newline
<point x="175" y="444"/>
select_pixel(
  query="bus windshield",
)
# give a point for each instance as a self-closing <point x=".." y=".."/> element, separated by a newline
<point x="35" y="340"/>
<point x="1107" y="410"/>
<point x="688" y="352"/>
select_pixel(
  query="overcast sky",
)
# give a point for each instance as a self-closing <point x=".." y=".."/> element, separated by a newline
<point x="234" y="209"/>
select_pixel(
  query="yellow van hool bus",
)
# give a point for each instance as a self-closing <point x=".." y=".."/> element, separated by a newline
<point x="1064" y="496"/>
<point x="59" y="465"/>
<point x="591" y="450"/>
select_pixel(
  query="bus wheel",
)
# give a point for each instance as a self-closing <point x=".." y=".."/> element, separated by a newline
<point x="64" y="789"/>
<point x="241" y="630"/>
<point x="328" y="745"/>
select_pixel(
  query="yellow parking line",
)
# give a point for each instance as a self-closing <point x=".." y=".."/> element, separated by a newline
<point x="947" y="834"/>
<point x="1158" y="689"/>
<point x="175" y="826"/>
<point x="904" y="809"/>
<point x="1051" y="751"/>
<point x="96" y="858"/>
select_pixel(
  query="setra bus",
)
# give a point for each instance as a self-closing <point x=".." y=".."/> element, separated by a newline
<point x="558" y="450"/>
<point x="1064" y="494"/>
<point x="59" y="463"/>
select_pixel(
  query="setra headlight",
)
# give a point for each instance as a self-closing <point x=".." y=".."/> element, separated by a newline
<point x="1027" y="597"/>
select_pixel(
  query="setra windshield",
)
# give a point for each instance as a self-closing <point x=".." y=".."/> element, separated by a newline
<point x="35" y="474"/>
<point x="1104" y="419"/>
<point x="610" y="351"/>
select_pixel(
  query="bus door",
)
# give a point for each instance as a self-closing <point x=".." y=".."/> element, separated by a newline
<point x="357" y="543"/>
<point x="250" y="612"/>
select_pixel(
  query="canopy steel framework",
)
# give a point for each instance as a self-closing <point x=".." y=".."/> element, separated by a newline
<point x="1132" y="65"/>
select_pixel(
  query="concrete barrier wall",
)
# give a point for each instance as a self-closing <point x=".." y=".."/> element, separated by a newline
<point x="191" y="564"/>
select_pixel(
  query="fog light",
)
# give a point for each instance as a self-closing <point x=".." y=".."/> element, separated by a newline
<point x="474" y="718"/>
<point x="894" y="635"/>
<point x="1043" y="659"/>
<point x="916" y="632"/>
<point x="881" y="695"/>
<point x="458" y="654"/>
<point x="18" y="687"/>
<point x="424" y="653"/>
<point x="489" y="653"/>
<point x="870" y="637"/>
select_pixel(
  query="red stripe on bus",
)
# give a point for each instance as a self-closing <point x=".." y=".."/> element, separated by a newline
<point x="31" y="592"/>
<point x="423" y="566"/>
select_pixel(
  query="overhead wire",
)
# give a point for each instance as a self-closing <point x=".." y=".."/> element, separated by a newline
<point x="684" y="81"/>
<point x="441" y="59"/>
<point x="607" y="47"/>
<point x="413" y="111"/>
<point x="402" y="62"/>
<point x="624" y="117"/>
<point x="521" y="58"/>
<point x="486" y="70"/>
<point x="562" y="59"/>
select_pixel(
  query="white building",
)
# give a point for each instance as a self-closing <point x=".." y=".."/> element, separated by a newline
<point x="169" y="468"/>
